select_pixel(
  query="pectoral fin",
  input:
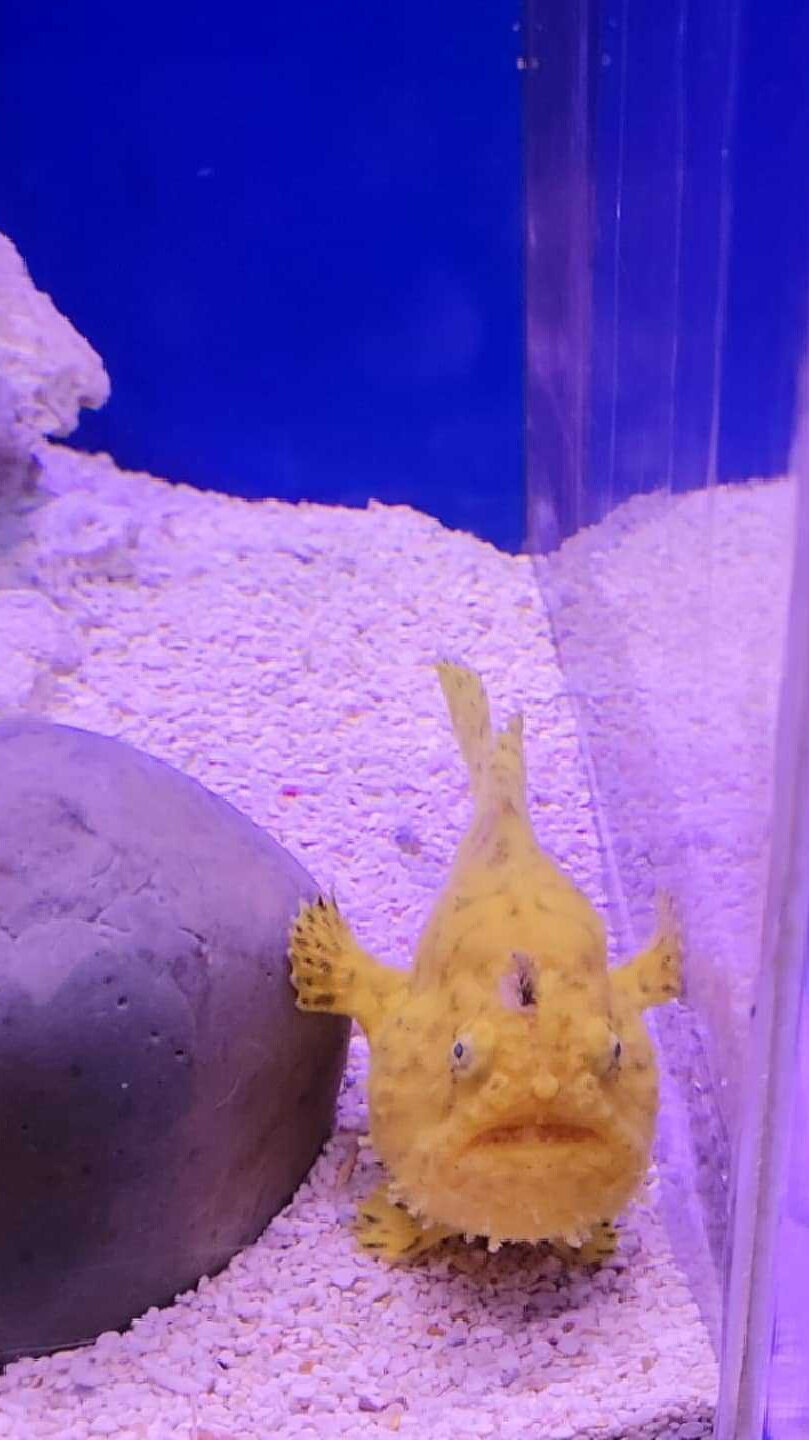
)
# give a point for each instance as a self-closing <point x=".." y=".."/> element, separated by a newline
<point x="655" y="975"/>
<point x="389" y="1230"/>
<point x="332" y="973"/>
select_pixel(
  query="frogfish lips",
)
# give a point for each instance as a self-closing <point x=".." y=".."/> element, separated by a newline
<point x="534" y="1133"/>
<point x="532" y="1176"/>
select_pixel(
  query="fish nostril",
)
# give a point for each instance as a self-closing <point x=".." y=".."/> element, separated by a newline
<point x="545" y="1086"/>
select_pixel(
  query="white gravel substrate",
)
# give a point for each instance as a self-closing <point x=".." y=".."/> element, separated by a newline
<point x="670" y="616"/>
<point x="282" y="656"/>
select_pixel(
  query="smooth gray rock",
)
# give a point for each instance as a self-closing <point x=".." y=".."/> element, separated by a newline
<point x="160" y="1095"/>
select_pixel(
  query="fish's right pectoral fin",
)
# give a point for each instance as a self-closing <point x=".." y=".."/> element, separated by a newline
<point x="332" y="973"/>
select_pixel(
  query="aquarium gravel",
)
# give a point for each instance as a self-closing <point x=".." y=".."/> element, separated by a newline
<point x="281" y="654"/>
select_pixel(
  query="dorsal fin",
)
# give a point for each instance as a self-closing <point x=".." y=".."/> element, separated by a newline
<point x="498" y="860"/>
<point x="496" y="763"/>
<point x="469" y="712"/>
<point x="506" y="780"/>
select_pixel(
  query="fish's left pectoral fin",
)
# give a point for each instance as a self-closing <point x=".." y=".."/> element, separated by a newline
<point x="390" y="1232"/>
<point x="655" y="976"/>
<point x="600" y="1246"/>
<point x="332" y="973"/>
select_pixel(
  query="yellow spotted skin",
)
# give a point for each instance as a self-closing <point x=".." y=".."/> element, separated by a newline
<point x="513" y="1086"/>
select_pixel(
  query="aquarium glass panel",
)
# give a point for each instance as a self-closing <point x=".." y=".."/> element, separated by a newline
<point x="665" y="328"/>
<point x="787" y="1396"/>
<point x="764" y="1389"/>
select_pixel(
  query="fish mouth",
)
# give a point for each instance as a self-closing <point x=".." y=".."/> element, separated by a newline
<point x="535" y="1133"/>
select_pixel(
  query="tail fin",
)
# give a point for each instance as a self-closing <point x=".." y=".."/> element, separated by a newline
<point x="496" y="764"/>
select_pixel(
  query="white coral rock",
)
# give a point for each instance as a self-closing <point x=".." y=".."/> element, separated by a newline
<point x="47" y="370"/>
<point x="36" y="644"/>
<point x="99" y="537"/>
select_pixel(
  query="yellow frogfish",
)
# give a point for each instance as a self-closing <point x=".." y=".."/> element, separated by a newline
<point x="513" y="1087"/>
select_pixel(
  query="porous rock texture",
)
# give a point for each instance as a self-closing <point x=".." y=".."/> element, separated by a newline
<point x="282" y="655"/>
<point x="47" y="370"/>
<point x="161" y="1097"/>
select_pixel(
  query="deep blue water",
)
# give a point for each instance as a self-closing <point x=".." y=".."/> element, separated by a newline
<point x="292" y="232"/>
<point x="294" y="235"/>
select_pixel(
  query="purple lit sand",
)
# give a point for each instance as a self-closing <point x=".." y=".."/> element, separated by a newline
<point x="281" y="655"/>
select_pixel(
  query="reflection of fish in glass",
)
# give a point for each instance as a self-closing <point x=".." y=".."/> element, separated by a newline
<point x="513" y="1085"/>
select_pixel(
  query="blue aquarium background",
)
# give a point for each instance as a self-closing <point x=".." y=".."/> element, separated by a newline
<point x="295" y="235"/>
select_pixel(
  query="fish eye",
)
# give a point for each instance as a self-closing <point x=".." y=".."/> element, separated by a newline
<point x="462" y="1055"/>
<point x="471" y="1051"/>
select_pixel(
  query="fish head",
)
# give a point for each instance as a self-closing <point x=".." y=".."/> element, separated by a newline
<point x="520" y="1104"/>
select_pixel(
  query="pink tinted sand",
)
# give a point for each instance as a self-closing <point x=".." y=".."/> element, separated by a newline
<point x="282" y="656"/>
